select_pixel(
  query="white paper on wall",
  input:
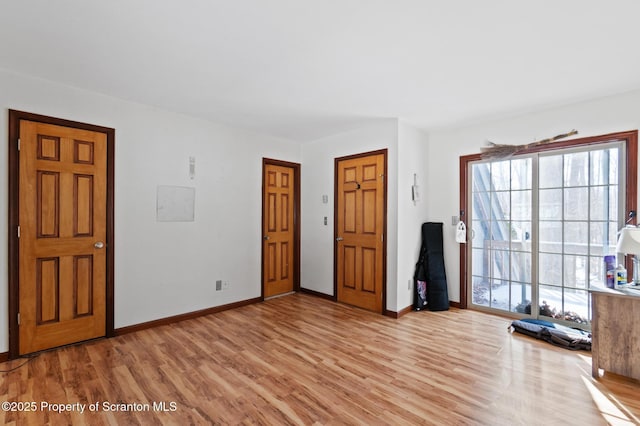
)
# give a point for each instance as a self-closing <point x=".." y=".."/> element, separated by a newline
<point x="175" y="204"/>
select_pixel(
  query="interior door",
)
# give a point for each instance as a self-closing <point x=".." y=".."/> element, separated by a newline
<point x="278" y="229"/>
<point x="62" y="237"/>
<point x="360" y="228"/>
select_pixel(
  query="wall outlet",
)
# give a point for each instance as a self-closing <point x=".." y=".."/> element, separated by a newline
<point x="218" y="285"/>
<point x="225" y="285"/>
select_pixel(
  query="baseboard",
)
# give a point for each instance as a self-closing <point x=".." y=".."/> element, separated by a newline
<point x="405" y="311"/>
<point x="391" y="314"/>
<point x="317" y="294"/>
<point x="396" y="315"/>
<point x="4" y="357"/>
<point x="182" y="317"/>
<point x="455" y="305"/>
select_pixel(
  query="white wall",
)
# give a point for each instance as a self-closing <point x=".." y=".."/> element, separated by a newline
<point x="413" y="158"/>
<point x="162" y="269"/>
<point x="165" y="269"/>
<point x="596" y="117"/>
<point x="318" y="179"/>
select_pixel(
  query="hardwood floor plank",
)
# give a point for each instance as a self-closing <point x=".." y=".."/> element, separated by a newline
<point x="304" y="360"/>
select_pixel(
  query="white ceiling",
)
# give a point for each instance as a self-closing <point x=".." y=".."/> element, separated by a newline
<point x="303" y="69"/>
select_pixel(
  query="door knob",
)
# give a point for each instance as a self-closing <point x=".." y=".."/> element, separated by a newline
<point x="266" y="237"/>
<point x="99" y="245"/>
<point x="339" y="239"/>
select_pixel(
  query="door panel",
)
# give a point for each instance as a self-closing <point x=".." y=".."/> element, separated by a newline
<point x="360" y="221"/>
<point x="278" y="211"/>
<point x="63" y="205"/>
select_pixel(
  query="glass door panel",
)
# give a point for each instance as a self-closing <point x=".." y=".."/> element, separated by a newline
<point x="501" y="231"/>
<point x="578" y="223"/>
<point x="552" y="253"/>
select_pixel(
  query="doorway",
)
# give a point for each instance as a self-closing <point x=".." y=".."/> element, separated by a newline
<point x="360" y="232"/>
<point x="61" y="232"/>
<point x="540" y="224"/>
<point x="280" y="227"/>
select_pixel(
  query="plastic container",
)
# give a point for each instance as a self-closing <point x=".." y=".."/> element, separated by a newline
<point x="621" y="275"/>
<point x="610" y="271"/>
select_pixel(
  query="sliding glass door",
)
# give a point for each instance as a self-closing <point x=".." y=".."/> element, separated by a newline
<point x="540" y="226"/>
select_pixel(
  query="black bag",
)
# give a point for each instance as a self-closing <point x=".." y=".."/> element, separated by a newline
<point x="437" y="293"/>
<point x="555" y="334"/>
<point x="430" y="281"/>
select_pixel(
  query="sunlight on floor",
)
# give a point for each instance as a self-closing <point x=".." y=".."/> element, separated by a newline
<point x="610" y="409"/>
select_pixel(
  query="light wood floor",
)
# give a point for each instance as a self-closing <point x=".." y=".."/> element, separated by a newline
<point x="304" y="360"/>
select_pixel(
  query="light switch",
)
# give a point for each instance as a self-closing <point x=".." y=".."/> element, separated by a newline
<point x="192" y="167"/>
<point x="325" y="221"/>
<point x="325" y="199"/>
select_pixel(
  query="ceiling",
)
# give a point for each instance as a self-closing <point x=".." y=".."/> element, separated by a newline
<point x="304" y="69"/>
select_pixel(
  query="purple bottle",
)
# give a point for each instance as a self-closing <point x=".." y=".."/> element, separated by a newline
<point x="610" y="271"/>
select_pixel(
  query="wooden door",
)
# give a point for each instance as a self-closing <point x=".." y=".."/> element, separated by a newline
<point x="278" y="229"/>
<point x="360" y="228"/>
<point x="62" y="238"/>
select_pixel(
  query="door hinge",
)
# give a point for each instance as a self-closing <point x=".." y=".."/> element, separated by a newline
<point x="18" y="144"/>
<point x="18" y="318"/>
<point x="18" y="231"/>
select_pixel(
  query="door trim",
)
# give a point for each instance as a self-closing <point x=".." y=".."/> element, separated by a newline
<point x="296" y="222"/>
<point x="14" y="215"/>
<point x="337" y="160"/>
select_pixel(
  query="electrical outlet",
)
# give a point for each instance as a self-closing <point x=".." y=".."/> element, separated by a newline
<point x="218" y="285"/>
<point x="225" y="285"/>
